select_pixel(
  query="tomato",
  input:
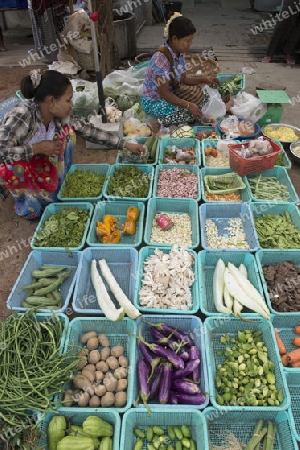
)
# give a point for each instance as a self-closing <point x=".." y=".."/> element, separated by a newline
<point x="214" y="152"/>
<point x="208" y="151"/>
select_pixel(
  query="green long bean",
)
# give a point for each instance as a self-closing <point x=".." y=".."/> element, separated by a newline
<point x="268" y="188"/>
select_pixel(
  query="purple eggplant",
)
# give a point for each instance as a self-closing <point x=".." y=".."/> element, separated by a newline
<point x="144" y="393"/>
<point x="173" y="399"/>
<point x="185" y="386"/>
<point x="196" y="399"/>
<point x="166" y="353"/>
<point x="184" y="355"/>
<point x="188" y="368"/>
<point x="167" y="330"/>
<point x="165" y="385"/>
<point x="164" y="340"/>
<point x="155" y="385"/>
<point x="149" y="357"/>
<point x="194" y="352"/>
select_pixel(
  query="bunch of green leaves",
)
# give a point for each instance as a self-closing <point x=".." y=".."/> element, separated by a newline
<point x="82" y="183"/>
<point x="231" y="86"/>
<point x="63" y="229"/>
<point x="129" y="181"/>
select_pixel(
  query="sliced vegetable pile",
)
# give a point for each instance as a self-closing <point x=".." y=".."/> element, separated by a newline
<point x="129" y="181"/>
<point x="268" y="188"/>
<point x="232" y="237"/>
<point x="232" y="197"/>
<point x="82" y="183"/>
<point x="102" y="376"/>
<point x="177" y="183"/>
<point x="277" y="231"/>
<point x="157" y="437"/>
<point x="63" y="229"/>
<point x="170" y="370"/>
<point x="44" y="290"/>
<point x="180" y="233"/>
<point x="246" y="376"/>
<point x="94" y="434"/>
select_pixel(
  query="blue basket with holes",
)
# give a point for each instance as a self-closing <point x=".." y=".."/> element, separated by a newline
<point x="293" y="382"/>
<point x="123" y="263"/>
<point x="179" y="143"/>
<point x="226" y="77"/>
<point x="35" y="260"/>
<point x="187" y="168"/>
<point x="138" y="418"/>
<point x="214" y="329"/>
<point x="220" y="423"/>
<point x="222" y="158"/>
<point x="245" y="195"/>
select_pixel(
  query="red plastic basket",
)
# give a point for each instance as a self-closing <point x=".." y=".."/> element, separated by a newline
<point x="246" y="166"/>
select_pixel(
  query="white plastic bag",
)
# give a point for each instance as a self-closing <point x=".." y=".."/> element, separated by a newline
<point x="248" y="107"/>
<point x="85" y="98"/>
<point x="215" y="108"/>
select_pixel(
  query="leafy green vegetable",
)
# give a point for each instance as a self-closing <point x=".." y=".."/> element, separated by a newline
<point x="129" y="181"/>
<point x="231" y="86"/>
<point x="83" y="184"/>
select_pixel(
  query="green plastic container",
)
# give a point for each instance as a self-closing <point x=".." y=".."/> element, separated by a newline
<point x="244" y="193"/>
<point x="284" y="324"/>
<point x="214" y="328"/>
<point x="193" y="169"/>
<point x="180" y="143"/>
<point x="293" y="382"/>
<point x="183" y="416"/>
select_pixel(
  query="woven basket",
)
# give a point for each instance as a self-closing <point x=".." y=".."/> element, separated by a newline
<point x="208" y="66"/>
<point x="85" y="60"/>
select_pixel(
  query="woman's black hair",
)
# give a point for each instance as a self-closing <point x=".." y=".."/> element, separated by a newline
<point x="181" y="27"/>
<point x="52" y="83"/>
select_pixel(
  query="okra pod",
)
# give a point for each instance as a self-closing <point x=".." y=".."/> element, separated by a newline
<point x="50" y="272"/>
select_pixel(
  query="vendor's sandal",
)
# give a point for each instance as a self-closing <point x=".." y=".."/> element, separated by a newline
<point x="290" y="61"/>
<point x="266" y="59"/>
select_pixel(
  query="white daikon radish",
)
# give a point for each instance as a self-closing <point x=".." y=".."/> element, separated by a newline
<point x="218" y="288"/>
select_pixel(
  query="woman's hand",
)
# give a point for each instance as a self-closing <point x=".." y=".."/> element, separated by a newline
<point x="211" y="81"/>
<point x="47" y="148"/>
<point x="195" y="111"/>
<point x="135" y="148"/>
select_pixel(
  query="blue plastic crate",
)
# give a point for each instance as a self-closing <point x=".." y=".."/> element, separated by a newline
<point x="265" y="257"/>
<point x="77" y="418"/>
<point x="34" y="261"/>
<point x="260" y="208"/>
<point x="293" y="382"/>
<point x="138" y="418"/>
<point x="207" y="262"/>
<point x="119" y="333"/>
<point x="117" y="209"/>
<point x="139" y="140"/>
<point x="190" y="325"/>
<point x="144" y="253"/>
<point x="220" y="213"/>
<point x="180" y="143"/>
<point x="203" y="129"/>
<point x="227" y="76"/>
<point x="99" y="169"/>
<point x="257" y="131"/>
<point x="172" y="206"/>
<point x="244" y="193"/>
<point x="282" y="176"/>
<point x="214" y="328"/>
<point x="193" y="169"/>
<point x="123" y="263"/>
<point x="242" y="424"/>
<point x="54" y="208"/>
<point x="284" y="324"/>
<point x="216" y="162"/>
<point x="145" y="168"/>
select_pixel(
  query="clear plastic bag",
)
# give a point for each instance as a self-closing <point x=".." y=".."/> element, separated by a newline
<point x="248" y="107"/>
<point x="85" y="98"/>
<point x="127" y="157"/>
<point x="215" y="108"/>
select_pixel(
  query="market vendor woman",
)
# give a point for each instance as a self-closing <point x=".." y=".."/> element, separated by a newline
<point x="159" y="98"/>
<point x="37" y="139"/>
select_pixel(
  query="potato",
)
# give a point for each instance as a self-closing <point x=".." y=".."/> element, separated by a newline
<point x="68" y="398"/>
<point x="123" y="361"/>
<point x="103" y="366"/>
<point x="100" y="390"/>
<point x="120" y="399"/>
<point x="89" y="375"/>
<point x="103" y="340"/>
<point x="94" y="357"/>
<point x="110" y="382"/>
<point x="84" y="352"/>
<point x="117" y="350"/>
<point x="112" y="363"/>
<point x="92" y="343"/>
<point x="83" y="383"/>
<point x="83" y="399"/>
<point x="99" y="375"/>
<point x="120" y="372"/>
<point x="90" y="367"/>
<point x="107" y="400"/>
<point x="85" y="337"/>
<point x="104" y="354"/>
<point x="82" y="362"/>
<point x="94" y="401"/>
<point x="122" y="385"/>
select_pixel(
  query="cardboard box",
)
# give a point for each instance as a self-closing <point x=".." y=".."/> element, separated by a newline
<point x="275" y="99"/>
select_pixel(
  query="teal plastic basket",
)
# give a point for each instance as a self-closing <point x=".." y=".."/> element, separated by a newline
<point x="207" y="262"/>
<point x="260" y="208"/>
<point x="34" y="261"/>
<point x="118" y="333"/>
<point x="214" y="328"/>
<point x="77" y="418"/>
<point x="144" y="253"/>
<point x="293" y="382"/>
<point x="145" y="168"/>
<point x="101" y="169"/>
<point x="190" y="325"/>
<point x="220" y="213"/>
<point x="244" y="193"/>
<point x="123" y="263"/>
<point x="54" y="208"/>
<point x="203" y="129"/>
<point x="180" y="143"/>
<point x="223" y="77"/>
<point x="282" y="176"/>
<point x="172" y="206"/>
<point x="183" y="416"/>
<point x="285" y="324"/>
<point x="265" y="257"/>
<point x="139" y="140"/>
<point x="241" y="424"/>
<point x="285" y="159"/>
<point x="211" y="161"/>
<point x="192" y="169"/>
<point x="117" y="209"/>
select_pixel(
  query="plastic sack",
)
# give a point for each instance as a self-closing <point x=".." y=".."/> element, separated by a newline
<point x="133" y="127"/>
<point x="248" y="107"/>
<point x="215" y="108"/>
<point x="136" y="111"/>
<point x="85" y="98"/>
